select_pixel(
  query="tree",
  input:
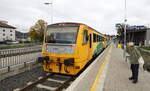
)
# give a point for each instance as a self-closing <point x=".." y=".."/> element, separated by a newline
<point x="37" y="31"/>
<point x="120" y="31"/>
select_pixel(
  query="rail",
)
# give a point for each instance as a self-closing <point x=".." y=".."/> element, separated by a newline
<point x="49" y="78"/>
<point x="11" y="57"/>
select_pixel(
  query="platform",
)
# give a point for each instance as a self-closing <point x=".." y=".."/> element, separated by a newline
<point x="109" y="72"/>
<point x="115" y="74"/>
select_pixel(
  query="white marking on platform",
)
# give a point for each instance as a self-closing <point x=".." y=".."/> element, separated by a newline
<point x="17" y="89"/>
<point x="45" y="87"/>
<point x="48" y="74"/>
<point x="29" y="83"/>
<point x="40" y="77"/>
<point x="49" y="79"/>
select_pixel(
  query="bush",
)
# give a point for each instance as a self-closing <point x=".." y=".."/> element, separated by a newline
<point x="145" y="53"/>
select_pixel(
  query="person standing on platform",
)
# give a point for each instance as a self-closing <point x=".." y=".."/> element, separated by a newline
<point x="134" y="56"/>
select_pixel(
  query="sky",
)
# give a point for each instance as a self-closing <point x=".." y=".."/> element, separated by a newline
<point x="101" y="15"/>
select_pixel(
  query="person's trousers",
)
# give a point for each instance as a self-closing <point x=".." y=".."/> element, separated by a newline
<point x="135" y="71"/>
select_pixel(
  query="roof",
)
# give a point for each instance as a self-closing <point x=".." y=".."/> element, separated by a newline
<point x="65" y="24"/>
<point x="4" y="25"/>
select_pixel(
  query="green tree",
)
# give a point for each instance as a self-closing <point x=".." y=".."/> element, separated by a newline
<point x="37" y="31"/>
<point x="120" y="31"/>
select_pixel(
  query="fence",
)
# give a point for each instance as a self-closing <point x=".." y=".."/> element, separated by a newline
<point x="11" y="57"/>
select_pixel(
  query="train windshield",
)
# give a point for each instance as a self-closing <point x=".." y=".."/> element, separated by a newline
<point x="66" y="35"/>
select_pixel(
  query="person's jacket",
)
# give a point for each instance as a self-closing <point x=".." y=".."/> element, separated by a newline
<point x="134" y="55"/>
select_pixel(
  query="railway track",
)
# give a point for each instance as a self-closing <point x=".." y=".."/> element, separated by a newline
<point x="49" y="82"/>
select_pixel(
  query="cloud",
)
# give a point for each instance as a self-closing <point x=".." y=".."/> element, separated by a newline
<point x="101" y="15"/>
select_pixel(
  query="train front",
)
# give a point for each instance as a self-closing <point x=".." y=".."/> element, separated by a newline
<point x="59" y="49"/>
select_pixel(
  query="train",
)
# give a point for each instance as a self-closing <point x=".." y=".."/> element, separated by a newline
<point x="69" y="46"/>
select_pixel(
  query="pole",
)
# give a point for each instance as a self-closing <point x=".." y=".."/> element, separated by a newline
<point x="51" y="17"/>
<point x="51" y="10"/>
<point x="51" y="13"/>
<point x="125" y="20"/>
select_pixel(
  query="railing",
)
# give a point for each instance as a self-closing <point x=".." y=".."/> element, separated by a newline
<point x="11" y="57"/>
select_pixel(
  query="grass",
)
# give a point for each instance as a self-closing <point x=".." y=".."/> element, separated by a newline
<point x="146" y="56"/>
<point x="145" y="47"/>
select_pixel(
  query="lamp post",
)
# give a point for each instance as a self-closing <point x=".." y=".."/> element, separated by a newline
<point x="125" y="20"/>
<point x="51" y="10"/>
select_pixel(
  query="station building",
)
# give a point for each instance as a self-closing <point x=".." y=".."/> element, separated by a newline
<point x="140" y="35"/>
<point x="7" y="32"/>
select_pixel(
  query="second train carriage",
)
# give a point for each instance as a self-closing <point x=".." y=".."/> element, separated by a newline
<point x="68" y="47"/>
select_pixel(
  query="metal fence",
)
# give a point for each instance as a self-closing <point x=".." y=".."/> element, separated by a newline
<point x="12" y="57"/>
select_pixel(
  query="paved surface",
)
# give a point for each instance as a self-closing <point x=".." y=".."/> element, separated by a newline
<point x="116" y="74"/>
<point x="86" y="79"/>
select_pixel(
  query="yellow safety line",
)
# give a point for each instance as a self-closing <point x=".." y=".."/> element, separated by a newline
<point x="101" y="72"/>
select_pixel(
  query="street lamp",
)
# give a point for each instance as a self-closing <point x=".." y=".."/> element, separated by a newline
<point x="125" y="26"/>
<point x="51" y="10"/>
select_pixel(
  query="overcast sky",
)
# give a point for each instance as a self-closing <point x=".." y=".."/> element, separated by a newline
<point x="101" y="15"/>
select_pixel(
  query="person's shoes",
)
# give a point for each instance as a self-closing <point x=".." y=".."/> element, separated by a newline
<point x="135" y="81"/>
<point x="131" y="78"/>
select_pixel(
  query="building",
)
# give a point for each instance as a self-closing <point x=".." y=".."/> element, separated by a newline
<point x="20" y="35"/>
<point x="140" y="35"/>
<point x="7" y="32"/>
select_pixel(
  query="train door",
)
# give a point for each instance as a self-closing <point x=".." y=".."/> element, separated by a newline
<point x="90" y="46"/>
<point x="85" y="45"/>
<point x="90" y="40"/>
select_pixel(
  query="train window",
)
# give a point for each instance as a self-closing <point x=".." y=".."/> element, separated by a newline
<point x="94" y="37"/>
<point x="65" y="35"/>
<point x="85" y="37"/>
<point x="101" y="39"/>
<point x="97" y="38"/>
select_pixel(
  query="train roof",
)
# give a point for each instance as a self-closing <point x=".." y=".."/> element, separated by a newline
<point x="74" y="24"/>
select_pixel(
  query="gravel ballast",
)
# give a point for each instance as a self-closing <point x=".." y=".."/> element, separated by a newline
<point x="21" y="79"/>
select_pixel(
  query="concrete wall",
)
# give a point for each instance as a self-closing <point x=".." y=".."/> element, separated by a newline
<point x="16" y="69"/>
<point x="7" y="34"/>
<point x="147" y="42"/>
